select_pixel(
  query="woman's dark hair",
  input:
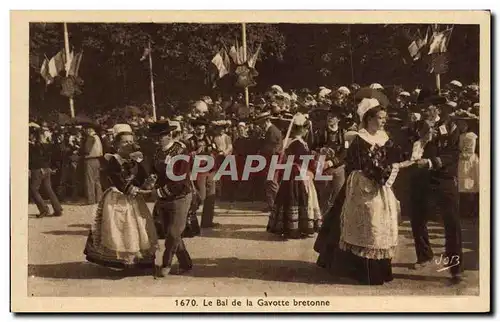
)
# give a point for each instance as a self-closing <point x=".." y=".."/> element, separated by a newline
<point x="119" y="136"/>
<point x="371" y="113"/>
<point x="298" y="130"/>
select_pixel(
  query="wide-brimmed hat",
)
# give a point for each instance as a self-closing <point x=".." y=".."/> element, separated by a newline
<point x="122" y="128"/>
<point x="344" y="90"/>
<point x="277" y="89"/>
<point x="262" y="116"/>
<point x="323" y="91"/>
<point x="456" y="83"/>
<point x="176" y="125"/>
<point x="376" y="86"/>
<point x="427" y="96"/>
<point x="200" y="122"/>
<point x="161" y="128"/>
<point x="221" y="123"/>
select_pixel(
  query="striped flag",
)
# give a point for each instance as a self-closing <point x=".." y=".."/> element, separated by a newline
<point x="253" y="59"/>
<point x="74" y="64"/>
<point x="44" y="71"/>
<point x="237" y="55"/>
<point x="57" y="63"/>
<point x="222" y="63"/>
<point x="439" y="41"/>
<point x="146" y="53"/>
<point x="416" y="47"/>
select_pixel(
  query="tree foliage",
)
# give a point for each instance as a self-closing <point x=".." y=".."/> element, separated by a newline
<point x="293" y="55"/>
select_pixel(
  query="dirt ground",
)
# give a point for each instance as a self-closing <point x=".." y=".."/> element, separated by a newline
<point x="238" y="259"/>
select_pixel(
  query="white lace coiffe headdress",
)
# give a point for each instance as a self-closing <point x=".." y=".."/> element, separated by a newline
<point x="365" y="105"/>
<point x="121" y="128"/>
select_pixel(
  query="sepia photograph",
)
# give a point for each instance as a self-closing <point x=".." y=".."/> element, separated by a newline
<point x="273" y="161"/>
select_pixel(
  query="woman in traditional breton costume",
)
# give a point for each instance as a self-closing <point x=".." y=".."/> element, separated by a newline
<point x="362" y="240"/>
<point x="123" y="234"/>
<point x="468" y="168"/>
<point x="296" y="210"/>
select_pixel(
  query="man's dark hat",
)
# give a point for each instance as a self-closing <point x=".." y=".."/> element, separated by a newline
<point x="91" y="125"/>
<point x="262" y="116"/>
<point x="335" y="111"/>
<point x="161" y="128"/>
<point x="427" y="96"/>
<point x="199" y="122"/>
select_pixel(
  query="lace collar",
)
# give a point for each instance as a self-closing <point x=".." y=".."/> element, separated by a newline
<point x="300" y="139"/>
<point x="379" y="138"/>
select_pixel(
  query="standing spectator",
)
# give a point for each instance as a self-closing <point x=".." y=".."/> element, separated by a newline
<point x="242" y="147"/>
<point x="271" y="145"/>
<point x="202" y="144"/>
<point x="40" y="172"/>
<point x="224" y="148"/>
<point x="92" y="153"/>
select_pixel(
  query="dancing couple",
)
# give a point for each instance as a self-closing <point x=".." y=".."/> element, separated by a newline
<point x="123" y="234"/>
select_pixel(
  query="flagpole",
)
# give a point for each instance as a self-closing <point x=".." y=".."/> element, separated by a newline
<point x="66" y="46"/>
<point x="244" y="40"/>
<point x="350" y="52"/>
<point x="152" y="80"/>
<point x="438" y="83"/>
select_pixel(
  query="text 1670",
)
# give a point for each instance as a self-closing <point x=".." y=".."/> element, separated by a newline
<point x="188" y="302"/>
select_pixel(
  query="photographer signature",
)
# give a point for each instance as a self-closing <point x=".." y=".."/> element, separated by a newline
<point x="447" y="262"/>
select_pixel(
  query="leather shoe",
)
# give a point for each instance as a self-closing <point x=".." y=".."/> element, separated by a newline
<point x="181" y="270"/>
<point x="42" y="214"/>
<point x="421" y="265"/>
<point x="161" y="271"/>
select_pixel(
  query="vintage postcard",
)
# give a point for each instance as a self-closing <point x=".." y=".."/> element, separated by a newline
<point x="239" y="161"/>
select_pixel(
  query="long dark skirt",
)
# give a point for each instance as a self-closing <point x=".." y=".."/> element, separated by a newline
<point x="289" y="216"/>
<point x="329" y="236"/>
<point x="344" y="263"/>
<point x="363" y="270"/>
<point x="328" y="190"/>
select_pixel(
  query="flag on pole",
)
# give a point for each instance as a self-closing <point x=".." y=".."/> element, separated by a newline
<point x="439" y="41"/>
<point x="253" y="59"/>
<point x="416" y="47"/>
<point x="146" y="53"/>
<point x="233" y="53"/>
<point x="74" y="64"/>
<point x="237" y="55"/>
<point x="44" y="71"/>
<point x="438" y="63"/>
<point x="56" y="64"/>
<point x="221" y="61"/>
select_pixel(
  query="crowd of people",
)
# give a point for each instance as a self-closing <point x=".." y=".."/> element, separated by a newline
<point x="388" y="152"/>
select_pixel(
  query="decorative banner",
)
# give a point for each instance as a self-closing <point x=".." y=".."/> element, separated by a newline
<point x="438" y="63"/>
<point x="71" y="86"/>
<point x="245" y="76"/>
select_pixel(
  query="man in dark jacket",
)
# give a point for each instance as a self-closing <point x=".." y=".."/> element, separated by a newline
<point x="173" y="197"/>
<point x="40" y="171"/>
<point x="440" y="156"/>
<point x="330" y="142"/>
<point x="271" y="145"/>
